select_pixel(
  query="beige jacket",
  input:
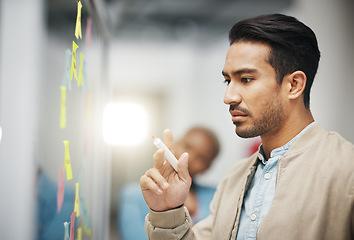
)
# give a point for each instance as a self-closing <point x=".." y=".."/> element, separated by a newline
<point x="314" y="197"/>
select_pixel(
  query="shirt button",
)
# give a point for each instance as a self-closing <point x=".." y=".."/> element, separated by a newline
<point x="267" y="176"/>
<point x="253" y="217"/>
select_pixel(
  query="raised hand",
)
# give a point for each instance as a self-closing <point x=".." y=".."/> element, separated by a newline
<point x="162" y="187"/>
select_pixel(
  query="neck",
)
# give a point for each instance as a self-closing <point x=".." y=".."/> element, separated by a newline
<point x="287" y="131"/>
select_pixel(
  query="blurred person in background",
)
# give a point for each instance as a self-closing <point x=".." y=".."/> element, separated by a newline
<point x="203" y="146"/>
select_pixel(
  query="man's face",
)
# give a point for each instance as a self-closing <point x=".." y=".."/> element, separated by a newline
<point x="252" y="91"/>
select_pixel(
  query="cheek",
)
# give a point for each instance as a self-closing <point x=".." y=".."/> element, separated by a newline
<point x="255" y="106"/>
<point x="261" y="106"/>
<point x="258" y="103"/>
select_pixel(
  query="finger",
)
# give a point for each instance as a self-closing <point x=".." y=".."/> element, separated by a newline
<point x="168" y="137"/>
<point x="158" y="158"/>
<point x="147" y="184"/>
<point x="156" y="176"/>
<point x="183" y="172"/>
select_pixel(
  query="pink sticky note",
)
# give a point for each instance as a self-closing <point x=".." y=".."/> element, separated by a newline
<point x="60" y="193"/>
<point x="72" y="225"/>
<point x="88" y="32"/>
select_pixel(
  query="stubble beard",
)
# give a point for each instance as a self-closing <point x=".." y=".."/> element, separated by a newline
<point x="271" y="118"/>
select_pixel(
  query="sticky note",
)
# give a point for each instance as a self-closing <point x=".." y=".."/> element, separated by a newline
<point x="86" y="216"/>
<point x="63" y="107"/>
<point x="72" y="225"/>
<point x="66" y="229"/>
<point x="73" y="62"/>
<point x="78" y="21"/>
<point x="67" y="162"/>
<point x="66" y="76"/>
<point x="88" y="32"/>
<point x="60" y="193"/>
<point x="77" y="201"/>
<point x="80" y="82"/>
<point x="79" y="233"/>
<point x="87" y="229"/>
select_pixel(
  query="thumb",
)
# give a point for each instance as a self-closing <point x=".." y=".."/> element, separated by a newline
<point x="182" y="166"/>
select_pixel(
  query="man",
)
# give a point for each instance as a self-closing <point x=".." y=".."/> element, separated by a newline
<point x="300" y="184"/>
<point x="203" y="146"/>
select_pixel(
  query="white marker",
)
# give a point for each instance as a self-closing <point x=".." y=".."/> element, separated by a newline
<point x="168" y="155"/>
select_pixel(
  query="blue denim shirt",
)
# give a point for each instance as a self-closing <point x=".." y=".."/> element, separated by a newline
<point x="260" y="193"/>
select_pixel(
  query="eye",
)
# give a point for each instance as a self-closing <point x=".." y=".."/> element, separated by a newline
<point x="227" y="82"/>
<point x="246" y="79"/>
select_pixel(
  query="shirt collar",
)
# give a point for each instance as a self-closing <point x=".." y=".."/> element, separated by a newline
<point x="280" y="151"/>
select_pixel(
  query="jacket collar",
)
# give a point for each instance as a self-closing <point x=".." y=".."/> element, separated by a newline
<point x="306" y="139"/>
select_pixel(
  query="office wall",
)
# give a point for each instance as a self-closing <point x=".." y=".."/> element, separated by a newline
<point x="21" y="38"/>
<point x="32" y="66"/>
<point x="90" y="157"/>
<point x="332" y="96"/>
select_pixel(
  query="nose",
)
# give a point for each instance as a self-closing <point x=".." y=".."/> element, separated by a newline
<point x="232" y="95"/>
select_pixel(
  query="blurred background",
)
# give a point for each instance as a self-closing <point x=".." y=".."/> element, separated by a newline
<point x="148" y="65"/>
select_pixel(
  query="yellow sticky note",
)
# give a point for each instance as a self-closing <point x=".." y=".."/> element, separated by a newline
<point x="73" y="62"/>
<point x="87" y="229"/>
<point x="80" y="81"/>
<point x="67" y="162"/>
<point x="78" y="21"/>
<point x="63" y="107"/>
<point x="79" y="233"/>
<point x="77" y="201"/>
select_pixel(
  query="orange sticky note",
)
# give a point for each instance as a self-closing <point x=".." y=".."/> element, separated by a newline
<point x="63" y="107"/>
<point x="78" y="21"/>
<point x="60" y="193"/>
<point x="80" y="81"/>
<point x="77" y="201"/>
<point x="67" y="162"/>
<point x="73" y="62"/>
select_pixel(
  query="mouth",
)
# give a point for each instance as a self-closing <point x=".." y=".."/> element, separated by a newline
<point x="238" y="116"/>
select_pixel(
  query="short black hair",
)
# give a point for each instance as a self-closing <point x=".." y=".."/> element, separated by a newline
<point x="293" y="45"/>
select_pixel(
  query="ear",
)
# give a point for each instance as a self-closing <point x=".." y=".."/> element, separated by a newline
<point x="295" y="84"/>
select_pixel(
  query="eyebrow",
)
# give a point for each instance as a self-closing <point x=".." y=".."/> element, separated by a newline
<point x="238" y="72"/>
